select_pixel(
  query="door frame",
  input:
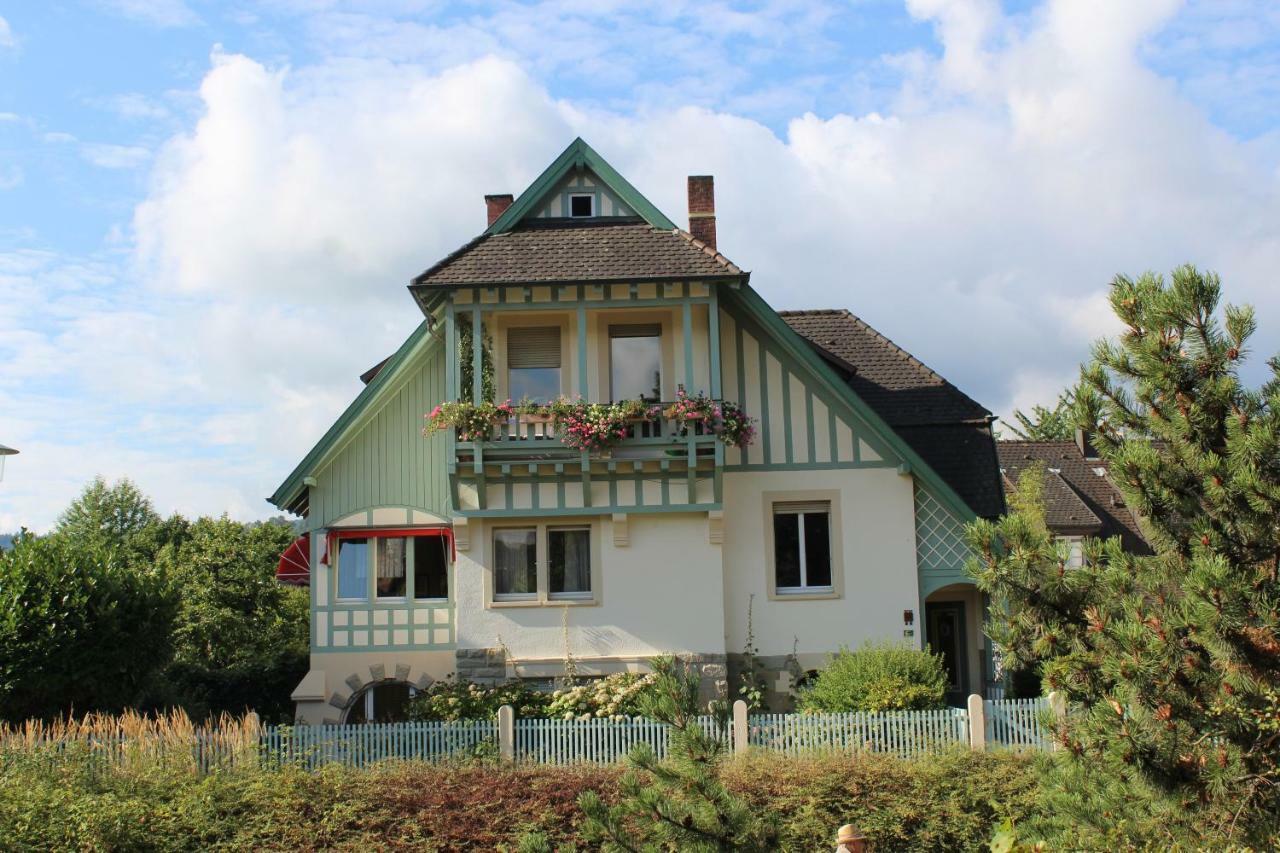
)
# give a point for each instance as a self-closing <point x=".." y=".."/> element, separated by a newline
<point x="959" y="695"/>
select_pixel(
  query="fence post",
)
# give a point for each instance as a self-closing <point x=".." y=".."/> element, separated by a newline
<point x="1058" y="705"/>
<point x="977" y="723"/>
<point x="507" y="733"/>
<point x="739" y="728"/>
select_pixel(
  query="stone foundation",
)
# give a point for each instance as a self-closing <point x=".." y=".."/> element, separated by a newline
<point x="481" y="666"/>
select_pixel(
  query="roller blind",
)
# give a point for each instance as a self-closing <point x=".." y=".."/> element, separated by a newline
<point x="801" y="506"/>
<point x="636" y="330"/>
<point x="533" y="347"/>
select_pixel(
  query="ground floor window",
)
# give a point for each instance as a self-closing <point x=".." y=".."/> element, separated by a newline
<point x="543" y="562"/>
<point x="802" y="547"/>
<point x="381" y="703"/>
<point x="393" y="565"/>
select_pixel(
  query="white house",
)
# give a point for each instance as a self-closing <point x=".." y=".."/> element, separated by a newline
<point x="506" y="546"/>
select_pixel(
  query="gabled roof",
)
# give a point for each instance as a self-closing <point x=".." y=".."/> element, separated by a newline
<point x="1086" y="487"/>
<point x="579" y="155"/>
<point x="950" y="431"/>
<point x="578" y="252"/>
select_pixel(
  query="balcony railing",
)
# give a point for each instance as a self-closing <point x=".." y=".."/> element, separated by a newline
<point x="541" y="436"/>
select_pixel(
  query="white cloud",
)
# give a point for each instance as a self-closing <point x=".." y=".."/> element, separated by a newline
<point x="7" y="39"/>
<point x="157" y="13"/>
<point x="133" y="105"/>
<point x="976" y="222"/>
<point x="109" y="156"/>
<point x="11" y="176"/>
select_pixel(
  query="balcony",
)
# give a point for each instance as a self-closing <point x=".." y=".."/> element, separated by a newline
<point x="572" y="457"/>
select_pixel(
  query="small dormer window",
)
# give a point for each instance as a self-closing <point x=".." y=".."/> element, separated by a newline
<point x="582" y="205"/>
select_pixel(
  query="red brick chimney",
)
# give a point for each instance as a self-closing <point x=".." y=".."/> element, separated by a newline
<point x="497" y="205"/>
<point x="702" y="208"/>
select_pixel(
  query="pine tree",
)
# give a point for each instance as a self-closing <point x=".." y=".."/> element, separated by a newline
<point x="1044" y="423"/>
<point x="680" y="803"/>
<point x="1172" y="661"/>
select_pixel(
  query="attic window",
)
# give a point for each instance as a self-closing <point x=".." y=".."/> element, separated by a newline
<point x="582" y="205"/>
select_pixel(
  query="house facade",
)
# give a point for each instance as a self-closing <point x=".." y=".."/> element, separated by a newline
<point x="506" y="543"/>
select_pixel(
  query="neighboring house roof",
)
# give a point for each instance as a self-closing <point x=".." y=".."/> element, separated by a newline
<point x="578" y="252"/>
<point x="950" y="431"/>
<point x="1079" y="496"/>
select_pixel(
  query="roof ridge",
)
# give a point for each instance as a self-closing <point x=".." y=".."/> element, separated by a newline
<point x="706" y="248"/>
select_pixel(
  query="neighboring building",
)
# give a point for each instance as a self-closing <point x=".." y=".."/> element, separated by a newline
<point x="841" y="522"/>
<point x="1079" y="497"/>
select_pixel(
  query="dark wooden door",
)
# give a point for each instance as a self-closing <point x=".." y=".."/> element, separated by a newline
<point x="946" y="636"/>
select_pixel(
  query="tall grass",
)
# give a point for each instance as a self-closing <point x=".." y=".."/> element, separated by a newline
<point x="132" y="742"/>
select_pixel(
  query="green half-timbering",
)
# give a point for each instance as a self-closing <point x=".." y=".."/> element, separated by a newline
<point x="605" y="202"/>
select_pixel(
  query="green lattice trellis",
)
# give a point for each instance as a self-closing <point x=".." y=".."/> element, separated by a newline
<point x="940" y="549"/>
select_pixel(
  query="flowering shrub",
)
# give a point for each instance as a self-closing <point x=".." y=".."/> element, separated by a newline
<point x="473" y="423"/>
<point x="597" y="426"/>
<point x="449" y="700"/>
<point x="613" y="696"/>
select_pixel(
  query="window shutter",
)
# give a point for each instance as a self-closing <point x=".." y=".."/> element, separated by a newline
<point x="533" y="347"/>
<point x="802" y="506"/>
<point x="636" y="330"/>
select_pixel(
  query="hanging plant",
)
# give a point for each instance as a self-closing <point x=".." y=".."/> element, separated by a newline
<point x="727" y="421"/>
<point x="473" y="423"/>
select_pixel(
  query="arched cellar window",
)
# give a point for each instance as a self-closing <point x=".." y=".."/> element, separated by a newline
<point x="381" y="703"/>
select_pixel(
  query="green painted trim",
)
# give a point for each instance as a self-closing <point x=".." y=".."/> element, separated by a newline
<point x="477" y="356"/>
<point x="787" y="425"/>
<point x="795" y="346"/>
<point x="762" y="353"/>
<point x="686" y="322"/>
<point x="289" y="491"/>
<point x="446" y="647"/>
<point x="582" y="348"/>
<point x="579" y="154"/>
<point x="808" y="419"/>
<point x="805" y="466"/>
<point x="713" y="344"/>
<point x="589" y="510"/>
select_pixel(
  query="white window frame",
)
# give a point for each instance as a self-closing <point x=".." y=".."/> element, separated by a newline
<point x="543" y="596"/>
<point x="831" y="497"/>
<point x="369" y="581"/>
<point x="805" y="588"/>
<point x="592" y="196"/>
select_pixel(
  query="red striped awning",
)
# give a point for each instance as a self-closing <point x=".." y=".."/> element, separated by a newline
<point x="295" y="563"/>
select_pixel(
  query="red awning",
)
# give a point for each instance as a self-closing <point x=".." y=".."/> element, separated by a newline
<point x="295" y="563"/>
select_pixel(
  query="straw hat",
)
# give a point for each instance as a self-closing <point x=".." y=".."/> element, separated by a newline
<point x="848" y="834"/>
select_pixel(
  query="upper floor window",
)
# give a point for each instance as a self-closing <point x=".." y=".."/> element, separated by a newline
<point x="635" y="362"/>
<point x="533" y="363"/>
<point x="582" y="205"/>
<point x="802" y="547"/>
<point x="353" y="568"/>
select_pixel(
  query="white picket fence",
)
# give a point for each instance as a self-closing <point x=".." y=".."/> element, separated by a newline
<point x="904" y="733"/>
<point x="1019" y="724"/>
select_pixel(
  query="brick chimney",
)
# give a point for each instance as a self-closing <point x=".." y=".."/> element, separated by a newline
<point x="702" y="208"/>
<point x="497" y="205"/>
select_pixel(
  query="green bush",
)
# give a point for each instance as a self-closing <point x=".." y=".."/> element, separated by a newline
<point x="877" y="677"/>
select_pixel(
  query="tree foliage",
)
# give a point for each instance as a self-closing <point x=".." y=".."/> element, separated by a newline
<point x="1045" y="423"/>
<point x="1171" y="660"/>
<point x="681" y="803"/>
<point x="79" y="629"/>
<point x="241" y="637"/>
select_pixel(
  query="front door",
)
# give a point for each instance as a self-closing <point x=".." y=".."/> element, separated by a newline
<point x="946" y="637"/>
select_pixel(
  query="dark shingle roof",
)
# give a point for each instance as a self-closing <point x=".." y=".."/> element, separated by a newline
<point x="950" y="431"/>
<point x="1087" y="484"/>
<point x="595" y="251"/>
<point x="891" y="380"/>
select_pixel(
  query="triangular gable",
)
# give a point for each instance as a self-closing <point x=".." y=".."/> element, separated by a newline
<point x="366" y="402"/>
<point x="577" y="158"/>
<point x="870" y="429"/>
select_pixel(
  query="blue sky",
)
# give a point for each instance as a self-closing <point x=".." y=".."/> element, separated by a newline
<point x="208" y="211"/>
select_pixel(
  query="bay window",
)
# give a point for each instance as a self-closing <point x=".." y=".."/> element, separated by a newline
<point x="392" y="565"/>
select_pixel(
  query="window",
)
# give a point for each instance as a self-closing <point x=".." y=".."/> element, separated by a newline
<point x="1074" y="550"/>
<point x="381" y="703"/>
<point x="353" y="568"/>
<point x="515" y="564"/>
<point x="430" y="567"/>
<point x="635" y="362"/>
<point x="533" y="363"/>
<point x="544" y="564"/>
<point x="802" y="547"/>
<point x="569" y="562"/>
<point x="392" y="569"/>
<point x="393" y="565"/>
<point x="582" y="205"/>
